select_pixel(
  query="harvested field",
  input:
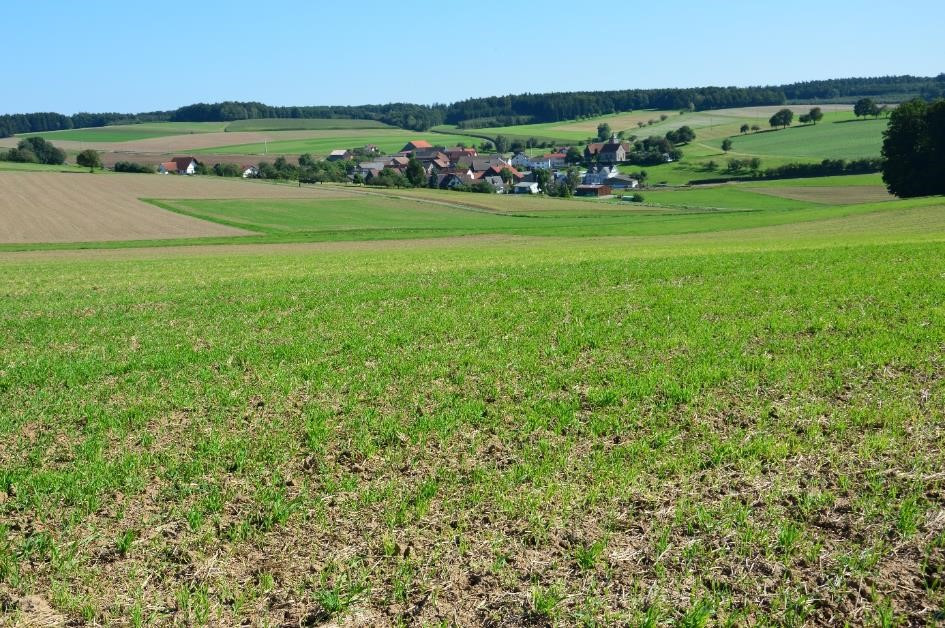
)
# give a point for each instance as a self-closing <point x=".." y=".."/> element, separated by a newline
<point x="60" y="207"/>
<point x="834" y="195"/>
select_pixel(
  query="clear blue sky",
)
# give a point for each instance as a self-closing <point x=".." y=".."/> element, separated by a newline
<point x="134" y="56"/>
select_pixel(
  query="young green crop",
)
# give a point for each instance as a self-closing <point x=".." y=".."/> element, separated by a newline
<point x="703" y="421"/>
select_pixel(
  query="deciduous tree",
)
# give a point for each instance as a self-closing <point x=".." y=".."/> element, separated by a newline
<point x="914" y="149"/>
<point x="782" y="118"/>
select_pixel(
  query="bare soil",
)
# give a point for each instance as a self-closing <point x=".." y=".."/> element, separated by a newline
<point x="832" y="195"/>
<point x="74" y="207"/>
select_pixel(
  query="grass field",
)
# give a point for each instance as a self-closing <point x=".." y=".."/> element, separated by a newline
<point x="293" y="124"/>
<point x="130" y="132"/>
<point x="728" y="409"/>
<point x="387" y="140"/>
<point x="841" y="139"/>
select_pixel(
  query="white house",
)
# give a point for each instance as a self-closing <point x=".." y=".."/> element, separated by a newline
<point x="250" y="172"/>
<point x="179" y="165"/>
<point x="521" y="160"/>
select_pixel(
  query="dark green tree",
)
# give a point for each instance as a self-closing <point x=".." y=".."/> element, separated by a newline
<point x="815" y="115"/>
<point x="574" y="156"/>
<point x="507" y="176"/>
<point x="682" y="135"/>
<point x="603" y="131"/>
<point x="744" y="128"/>
<point x="573" y="180"/>
<point x="914" y="149"/>
<point x="542" y="177"/>
<point x="415" y="173"/>
<point x="727" y="144"/>
<point x="89" y="159"/>
<point x="865" y="107"/>
<point x="501" y="144"/>
<point x="782" y="118"/>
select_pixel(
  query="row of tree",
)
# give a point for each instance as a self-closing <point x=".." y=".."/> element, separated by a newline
<point x="505" y="110"/>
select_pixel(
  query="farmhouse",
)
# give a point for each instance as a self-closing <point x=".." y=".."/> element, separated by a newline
<point x="526" y="187"/>
<point x="179" y="165"/>
<point x="613" y="151"/>
<point x="592" y="190"/>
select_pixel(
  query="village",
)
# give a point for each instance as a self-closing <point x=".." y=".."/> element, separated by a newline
<point x="591" y="173"/>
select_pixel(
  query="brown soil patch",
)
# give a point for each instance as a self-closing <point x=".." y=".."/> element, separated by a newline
<point x="832" y="195"/>
<point x="64" y="207"/>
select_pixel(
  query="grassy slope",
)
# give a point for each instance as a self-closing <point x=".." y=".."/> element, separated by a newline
<point x="841" y="139"/>
<point x="131" y="132"/>
<point x="548" y="430"/>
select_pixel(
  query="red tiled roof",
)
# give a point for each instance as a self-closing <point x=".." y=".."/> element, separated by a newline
<point x="420" y="144"/>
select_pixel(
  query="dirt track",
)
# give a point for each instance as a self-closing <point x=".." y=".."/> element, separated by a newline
<point x="63" y="207"/>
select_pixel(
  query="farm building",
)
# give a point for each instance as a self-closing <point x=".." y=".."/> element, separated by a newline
<point x="621" y="181"/>
<point x="592" y="190"/>
<point x="526" y="187"/>
<point x="250" y="172"/>
<point x="339" y="155"/>
<point x="179" y="165"/>
<point x="612" y="151"/>
<point x="415" y="145"/>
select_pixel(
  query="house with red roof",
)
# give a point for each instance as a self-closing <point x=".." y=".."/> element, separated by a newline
<point x="179" y="165"/>
<point x="415" y="144"/>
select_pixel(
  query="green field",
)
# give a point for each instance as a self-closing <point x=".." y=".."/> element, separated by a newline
<point x="131" y="132"/>
<point x="846" y="139"/>
<point x="414" y="407"/>
<point x="387" y="140"/>
<point x="300" y="124"/>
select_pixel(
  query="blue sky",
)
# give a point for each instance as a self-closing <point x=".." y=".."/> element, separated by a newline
<point x="133" y="56"/>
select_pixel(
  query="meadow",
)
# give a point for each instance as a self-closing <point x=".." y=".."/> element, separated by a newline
<point x="832" y="139"/>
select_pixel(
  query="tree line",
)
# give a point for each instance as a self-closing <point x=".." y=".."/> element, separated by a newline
<point x="511" y="109"/>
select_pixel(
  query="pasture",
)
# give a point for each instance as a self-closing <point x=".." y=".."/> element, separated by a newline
<point x="830" y="139"/>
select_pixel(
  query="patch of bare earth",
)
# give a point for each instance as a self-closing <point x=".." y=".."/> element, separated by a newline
<point x="832" y="195"/>
<point x="74" y="207"/>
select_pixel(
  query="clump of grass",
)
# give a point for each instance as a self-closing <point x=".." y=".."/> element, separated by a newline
<point x="124" y="542"/>
<point x="587" y="556"/>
